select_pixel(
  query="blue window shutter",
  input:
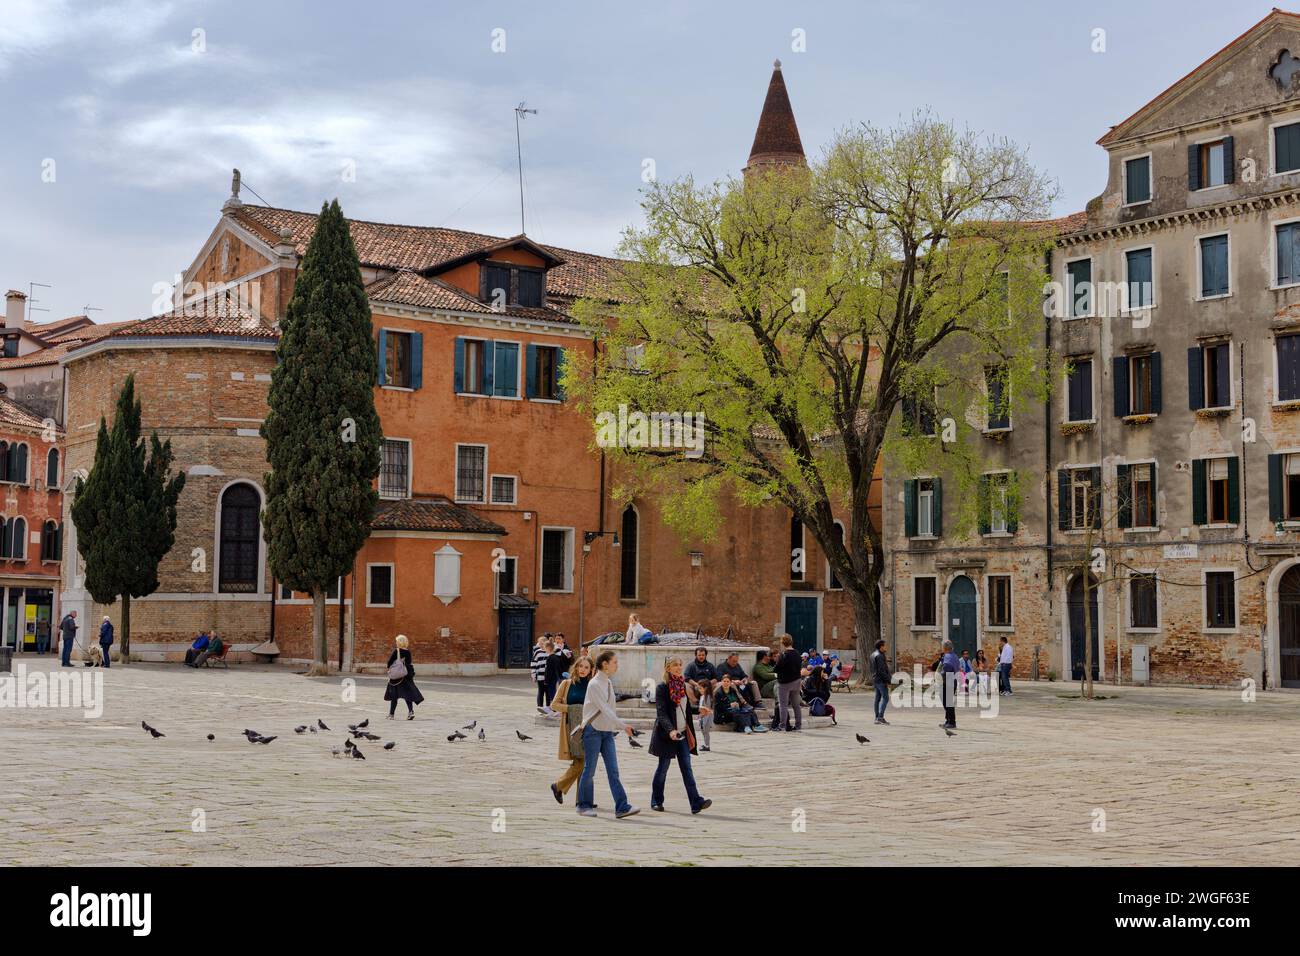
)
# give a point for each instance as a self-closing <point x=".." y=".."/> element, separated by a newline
<point x="1198" y="491"/>
<point x="1195" y="378"/>
<point x="1229" y="160"/>
<point x="530" y="372"/>
<point x="1120" y="375"/>
<point x="20" y="472"/>
<point x="985" y="504"/>
<point x="459" y="376"/>
<point x="1193" y="167"/>
<point x="488" y="366"/>
<point x="1286" y="255"/>
<point x="559" y="373"/>
<point x="417" y="360"/>
<point x="1223" y="374"/>
<point x="383" y="354"/>
<point x="1288" y="368"/>
<point x="505" y="380"/>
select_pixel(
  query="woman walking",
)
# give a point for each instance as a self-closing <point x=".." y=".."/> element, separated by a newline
<point x="401" y="680"/>
<point x="569" y="698"/>
<point x="674" y="736"/>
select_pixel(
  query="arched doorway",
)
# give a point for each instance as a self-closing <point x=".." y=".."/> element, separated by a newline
<point x="1288" y="619"/>
<point x="1075" y="604"/>
<point x="963" y="616"/>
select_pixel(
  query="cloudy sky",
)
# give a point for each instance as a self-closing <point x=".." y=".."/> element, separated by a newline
<point x="138" y="109"/>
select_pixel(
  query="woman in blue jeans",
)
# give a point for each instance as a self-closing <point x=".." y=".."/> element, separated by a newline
<point x="601" y="726"/>
<point x="674" y="736"/>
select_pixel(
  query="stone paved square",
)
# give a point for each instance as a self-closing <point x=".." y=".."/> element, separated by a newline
<point x="1184" y="777"/>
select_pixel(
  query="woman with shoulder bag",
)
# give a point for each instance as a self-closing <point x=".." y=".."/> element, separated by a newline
<point x="674" y="736"/>
<point x="569" y="697"/>
<point x="401" y="680"/>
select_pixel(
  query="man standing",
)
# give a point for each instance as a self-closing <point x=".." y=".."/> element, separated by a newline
<point x="68" y="634"/>
<point x="1004" y="668"/>
<point x="789" y="672"/>
<point x="557" y="665"/>
<point x="601" y="726"/>
<point x="106" y="637"/>
<point x="880" y="679"/>
<point x="947" y="675"/>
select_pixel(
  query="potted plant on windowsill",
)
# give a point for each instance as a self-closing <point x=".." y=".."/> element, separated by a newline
<point x="1075" y="428"/>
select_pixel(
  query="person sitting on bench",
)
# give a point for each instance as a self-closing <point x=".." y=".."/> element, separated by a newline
<point x="700" y="669"/>
<point x="817" y="694"/>
<point x="199" y="646"/>
<point x="730" y="707"/>
<point x="214" y="647"/>
<point x="748" y="688"/>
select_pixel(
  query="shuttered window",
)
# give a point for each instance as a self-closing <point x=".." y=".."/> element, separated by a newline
<point x="1141" y="290"/>
<point x="1137" y="180"/>
<point x="1214" y="266"/>
<point x="1079" y="399"/>
<point x="1286" y="148"/>
<point x="1220" y="599"/>
<point x="999" y="407"/>
<point x="1143" y="610"/>
<point x="1288" y="368"/>
<point x="1288" y="253"/>
<point x="923" y="611"/>
<point x="1078" y="292"/>
<point x="999" y="600"/>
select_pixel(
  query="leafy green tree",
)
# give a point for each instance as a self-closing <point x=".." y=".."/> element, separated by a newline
<point x="322" y="432"/>
<point x="801" y="308"/>
<point x="125" y="511"/>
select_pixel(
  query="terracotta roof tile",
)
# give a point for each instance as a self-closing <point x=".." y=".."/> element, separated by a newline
<point x="434" y="513"/>
<point x="411" y="288"/>
<point x="393" y="246"/>
<point x="216" y="316"/>
<point x="12" y="413"/>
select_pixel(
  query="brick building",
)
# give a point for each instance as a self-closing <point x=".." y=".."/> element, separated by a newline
<point x="496" y="519"/>
<point x="1172" y="441"/>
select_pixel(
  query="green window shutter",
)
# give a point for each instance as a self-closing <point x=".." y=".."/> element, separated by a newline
<point x="459" y="377"/>
<point x="1155" y="383"/>
<point x="1193" y="167"/>
<point x="1094" y="475"/>
<point x="1124" y="499"/>
<point x="505" y="380"/>
<point x="1229" y="160"/>
<point x="938" y="507"/>
<point x="530" y="372"/>
<point x="1198" y="491"/>
<point x="486" y="367"/>
<point x="1234" y="490"/>
<point x="559" y="373"/>
<point x="909" y="507"/>
<point x="1013" y="504"/>
<point x="383" y="355"/>
<point x="1063" y="499"/>
<point x="1119" y="368"/>
<point x="417" y="360"/>
<point x="1275" y="488"/>
<point x="985" y="504"/>
<point x="1195" y="378"/>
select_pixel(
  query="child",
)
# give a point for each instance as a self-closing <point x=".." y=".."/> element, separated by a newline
<point x="706" y="720"/>
<point x="965" y="668"/>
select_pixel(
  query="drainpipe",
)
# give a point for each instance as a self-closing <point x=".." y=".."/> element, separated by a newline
<point x="1047" y="445"/>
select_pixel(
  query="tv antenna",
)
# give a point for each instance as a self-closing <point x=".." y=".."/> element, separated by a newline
<point x="520" y="112"/>
<point x="31" y="299"/>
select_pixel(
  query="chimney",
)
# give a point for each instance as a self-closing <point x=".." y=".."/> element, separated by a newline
<point x="776" y="141"/>
<point x="15" y="303"/>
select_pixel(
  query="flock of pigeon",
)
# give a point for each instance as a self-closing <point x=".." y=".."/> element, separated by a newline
<point x="355" y="731"/>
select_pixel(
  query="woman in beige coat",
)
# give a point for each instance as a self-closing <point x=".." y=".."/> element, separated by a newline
<point x="569" y="696"/>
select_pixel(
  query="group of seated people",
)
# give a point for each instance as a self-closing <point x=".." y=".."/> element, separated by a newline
<point x="735" y="695"/>
<point x="205" y="645"/>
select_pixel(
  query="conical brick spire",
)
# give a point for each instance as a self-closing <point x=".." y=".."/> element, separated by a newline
<point x="776" y="143"/>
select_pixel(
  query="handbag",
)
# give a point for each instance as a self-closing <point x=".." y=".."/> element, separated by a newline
<point x="397" y="670"/>
<point x="575" y="735"/>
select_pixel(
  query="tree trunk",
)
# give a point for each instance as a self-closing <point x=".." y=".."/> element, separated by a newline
<point x="319" y="665"/>
<point x="867" y="629"/>
<point x="125" y="644"/>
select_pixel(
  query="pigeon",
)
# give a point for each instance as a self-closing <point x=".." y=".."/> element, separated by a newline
<point x="300" y="730"/>
<point x="635" y="732"/>
<point x="358" y="733"/>
<point x="321" y="724"/>
<point x="266" y="740"/>
<point x="390" y="745"/>
<point x="312" y="728"/>
<point x="353" y="728"/>
<point x="251" y="734"/>
<point x="368" y="736"/>
<point x="482" y="734"/>
<point x="156" y="733"/>
<point x="457" y="735"/>
<point x="364" y="723"/>
<point x="337" y="751"/>
<point x="347" y="744"/>
<point x="522" y="736"/>
<point x="634" y="743"/>
<point x="356" y="752"/>
<point x="471" y="725"/>
<point x="862" y="739"/>
<point x="949" y="732"/>
<point x="211" y="737"/>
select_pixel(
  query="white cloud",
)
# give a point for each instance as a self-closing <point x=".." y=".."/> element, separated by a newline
<point x="36" y="28"/>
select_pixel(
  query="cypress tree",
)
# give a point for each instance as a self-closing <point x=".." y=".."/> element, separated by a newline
<point x="322" y="432"/>
<point x="125" y="511"/>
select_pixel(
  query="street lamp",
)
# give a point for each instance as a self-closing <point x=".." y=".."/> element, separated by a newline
<point x="587" y="538"/>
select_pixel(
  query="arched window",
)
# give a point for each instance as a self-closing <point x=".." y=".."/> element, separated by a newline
<point x="51" y="541"/>
<point x="52" y="469"/>
<point x="19" y="538"/>
<point x="798" y="556"/>
<point x="241" y="531"/>
<point x="16" y="463"/>
<point x="7" y="538"/>
<point x="627" y="585"/>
